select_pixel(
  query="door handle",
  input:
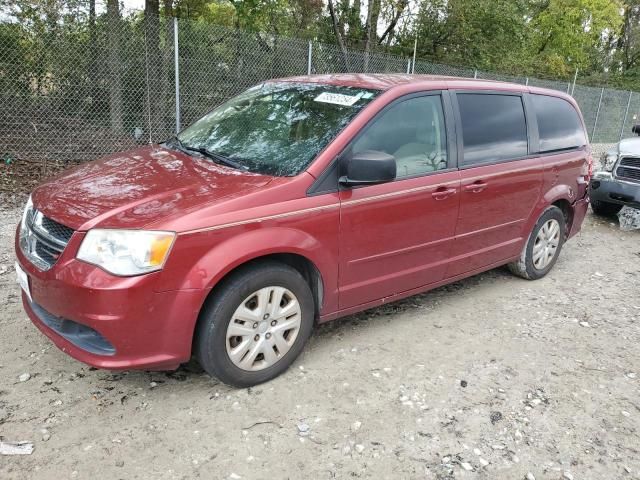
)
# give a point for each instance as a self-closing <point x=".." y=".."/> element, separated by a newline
<point x="443" y="192"/>
<point x="475" y="187"/>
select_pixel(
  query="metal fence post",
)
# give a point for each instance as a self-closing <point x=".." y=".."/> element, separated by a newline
<point x="575" y="77"/>
<point x="526" y="81"/>
<point x="309" y="55"/>
<point x="595" y="122"/>
<point x="626" y="113"/>
<point x="475" y="73"/>
<point x="176" y="61"/>
<point x="409" y="66"/>
<point x="415" y="47"/>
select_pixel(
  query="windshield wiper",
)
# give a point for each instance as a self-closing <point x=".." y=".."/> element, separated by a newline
<point x="216" y="157"/>
<point x="177" y="144"/>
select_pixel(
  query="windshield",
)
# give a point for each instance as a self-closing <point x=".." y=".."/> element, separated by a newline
<point x="276" y="128"/>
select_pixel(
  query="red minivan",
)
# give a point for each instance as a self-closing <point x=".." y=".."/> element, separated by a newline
<point x="297" y="202"/>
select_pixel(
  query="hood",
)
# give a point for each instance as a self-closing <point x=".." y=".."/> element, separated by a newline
<point x="132" y="189"/>
<point x="629" y="146"/>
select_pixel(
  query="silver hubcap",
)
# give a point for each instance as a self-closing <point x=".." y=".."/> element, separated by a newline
<point x="546" y="244"/>
<point x="263" y="328"/>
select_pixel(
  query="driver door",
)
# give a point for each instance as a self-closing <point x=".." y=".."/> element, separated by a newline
<point x="397" y="236"/>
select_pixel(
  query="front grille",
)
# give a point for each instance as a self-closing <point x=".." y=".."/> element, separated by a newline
<point x="630" y="162"/>
<point x="629" y="173"/>
<point x="57" y="230"/>
<point x="42" y="239"/>
<point x="628" y="169"/>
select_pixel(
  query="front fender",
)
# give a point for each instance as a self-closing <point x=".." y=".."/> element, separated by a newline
<point x="258" y="243"/>
<point x="207" y="257"/>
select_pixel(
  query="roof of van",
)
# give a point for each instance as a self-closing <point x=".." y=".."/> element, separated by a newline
<point x="386" y="81"/>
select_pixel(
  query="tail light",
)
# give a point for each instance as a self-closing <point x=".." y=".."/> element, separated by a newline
<point x="587" y="168"/>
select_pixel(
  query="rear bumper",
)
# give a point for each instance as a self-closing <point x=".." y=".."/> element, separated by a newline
<point x="580" y="208"/>
<point x="605" y="188"/>
<point x="111" y="322"/>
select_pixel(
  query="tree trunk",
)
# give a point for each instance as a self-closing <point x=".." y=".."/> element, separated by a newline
<point x="371" y="33"/>
<point x="92" y="74"/>
<point x="168" y="64"/>
<point x="153" y="98"/>
<point x="357" y="8"/>
<point x="113" y="61"/>
<point x="339" y="39"/>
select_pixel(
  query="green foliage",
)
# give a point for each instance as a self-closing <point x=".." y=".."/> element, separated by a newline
<point x="14" y="71"/>
<point x="568" y="34"/>
<point x="52" y="48"/>
<point x="282" y="17"/>
<point x="486" y="34"/>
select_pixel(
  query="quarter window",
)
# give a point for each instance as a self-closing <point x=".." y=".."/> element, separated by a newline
<point x="493" y="127"/>
<point x="413" y="131"/>
<point x="559" y="126"/>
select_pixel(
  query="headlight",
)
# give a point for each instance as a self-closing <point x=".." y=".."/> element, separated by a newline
<point x="126" y="252"/>
<point x="27" y="210"/>
<point x="608" y="161"/>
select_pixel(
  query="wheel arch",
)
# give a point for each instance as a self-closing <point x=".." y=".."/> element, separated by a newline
<point x="560" y="196"/>
<point x="567" y="210"/>
<point x="300" y="263"/>
<point x="303" y="265"/>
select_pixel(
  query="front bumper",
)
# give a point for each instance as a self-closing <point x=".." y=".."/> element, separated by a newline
<point x="605" y="188"/>
<point x="107" y="321"/>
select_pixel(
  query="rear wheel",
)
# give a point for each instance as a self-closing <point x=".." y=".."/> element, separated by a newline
<point x="541" y="251"/>
<point x="605" y="208"/>
<point x="255" y="325"/>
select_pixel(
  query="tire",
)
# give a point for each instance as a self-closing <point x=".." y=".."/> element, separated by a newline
<point x="530" y="266"/>
<point x="605" y="208"/>
<point x="267" y="340"/>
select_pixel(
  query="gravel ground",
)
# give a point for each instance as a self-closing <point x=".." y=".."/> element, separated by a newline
<point x="493" y="377"/>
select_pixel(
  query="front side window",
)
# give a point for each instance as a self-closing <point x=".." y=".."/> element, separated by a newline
<point x="413" y="131"/>
<point x="494" y="128"/>
<point x="276" y="128"/>
<point x="559" y="126"/>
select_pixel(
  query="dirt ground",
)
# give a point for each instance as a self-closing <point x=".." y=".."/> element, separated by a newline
<point x="493" y="377"/>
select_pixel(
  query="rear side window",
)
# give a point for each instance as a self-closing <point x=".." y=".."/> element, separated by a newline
<point x="559" y="125"/>
<point x="493" y="127"/>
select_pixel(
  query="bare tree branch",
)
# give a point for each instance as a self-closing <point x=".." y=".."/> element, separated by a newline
<point x="391" y="28"/>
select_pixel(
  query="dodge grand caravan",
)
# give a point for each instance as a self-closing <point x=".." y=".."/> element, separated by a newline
<point x="299" y="201"/>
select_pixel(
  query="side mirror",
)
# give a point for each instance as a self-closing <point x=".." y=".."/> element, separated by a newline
<point x="368" y="168"/>
<point x="636" y="129"/>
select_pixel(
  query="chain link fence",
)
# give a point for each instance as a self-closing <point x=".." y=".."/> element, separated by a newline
<point x="79" y="91"/>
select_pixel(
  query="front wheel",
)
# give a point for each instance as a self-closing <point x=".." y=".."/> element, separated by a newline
<point x="541" y="251"/>
<point x="255" y="325"/>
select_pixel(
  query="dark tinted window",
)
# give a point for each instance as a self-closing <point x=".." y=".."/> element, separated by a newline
<point x="413" y="131"/>
<point x="493" y="127"/>
<point x="559" y="126"/>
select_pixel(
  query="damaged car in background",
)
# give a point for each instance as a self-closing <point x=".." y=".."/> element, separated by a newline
<point x="615" y="188"/>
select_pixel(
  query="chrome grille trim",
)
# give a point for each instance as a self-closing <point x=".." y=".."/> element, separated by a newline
<point x="42" y="240"/>
<point x="628" y="168"/>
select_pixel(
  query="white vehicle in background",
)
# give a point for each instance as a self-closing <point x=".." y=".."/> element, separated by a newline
<point x="617" y="184"/>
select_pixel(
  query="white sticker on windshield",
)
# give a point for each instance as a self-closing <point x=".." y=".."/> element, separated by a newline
<point x="337" y="98"/>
